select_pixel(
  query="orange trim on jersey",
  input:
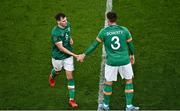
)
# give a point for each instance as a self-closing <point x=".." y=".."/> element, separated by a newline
<point x="99" y="40"/>
<point x="129" y="40"/>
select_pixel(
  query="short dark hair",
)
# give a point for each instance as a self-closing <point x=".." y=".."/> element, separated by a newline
<point x="112" y="16"/>
<point x="59" y="16"/>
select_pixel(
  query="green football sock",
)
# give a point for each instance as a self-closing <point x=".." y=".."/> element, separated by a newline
<point x="107" y="93"/>
<point x="129" y="93"/>
<point x="71" y="87"/>
<point x="53" y="72"/>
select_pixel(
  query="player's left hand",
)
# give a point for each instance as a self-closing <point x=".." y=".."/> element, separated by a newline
<point x="132" y="59"/>
<point x="71" y="41"/>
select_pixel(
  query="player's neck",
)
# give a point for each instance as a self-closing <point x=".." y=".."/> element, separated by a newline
<point x="61" y="26"/>
<point x="112" y="23"/>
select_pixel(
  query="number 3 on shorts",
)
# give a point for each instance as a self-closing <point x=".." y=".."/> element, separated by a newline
<point x="116" y="44"/>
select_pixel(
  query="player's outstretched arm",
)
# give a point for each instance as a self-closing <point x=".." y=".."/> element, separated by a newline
<point x="89" y="50"/>
<point x="63" y="49"/>
<point x="93" y="46"/>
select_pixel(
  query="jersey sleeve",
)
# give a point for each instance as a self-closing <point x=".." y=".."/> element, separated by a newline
<point x="128" y="34"/>
<point x="56" y="37"/>
<point x="101" y="34"/>
<point x="69" y="28"/>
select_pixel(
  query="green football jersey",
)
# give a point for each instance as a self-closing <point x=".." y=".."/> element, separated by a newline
<point x="114" y="38"/>
<point x="61" y="35"/>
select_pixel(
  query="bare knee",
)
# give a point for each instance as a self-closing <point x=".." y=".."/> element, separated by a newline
<point x="69" y="75"/>
<point x="129" y="81"/>
<point x="57" y="72"/>
<point x="109" y="82"/>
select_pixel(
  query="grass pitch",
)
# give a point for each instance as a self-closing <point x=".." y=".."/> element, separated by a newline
<point x="25" y="61"/>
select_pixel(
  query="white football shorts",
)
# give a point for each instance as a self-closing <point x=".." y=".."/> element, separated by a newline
<point x="125" y="71"/>
<point x="67" y="64"/>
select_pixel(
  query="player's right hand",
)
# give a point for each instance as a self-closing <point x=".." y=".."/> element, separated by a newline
<point x="81" y="57"/>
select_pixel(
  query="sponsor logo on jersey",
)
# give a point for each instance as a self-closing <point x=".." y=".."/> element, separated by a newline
<point x="66" y="36"/>
<point x="69" y="29"/>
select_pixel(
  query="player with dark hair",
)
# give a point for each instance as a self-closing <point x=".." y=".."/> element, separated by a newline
<point x="118" y="43"/>
<point x="62" y="55"/>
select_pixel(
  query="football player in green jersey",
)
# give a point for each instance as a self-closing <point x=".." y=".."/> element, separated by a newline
<point x="62" y="55"/>
<point x="118" y="43"/>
